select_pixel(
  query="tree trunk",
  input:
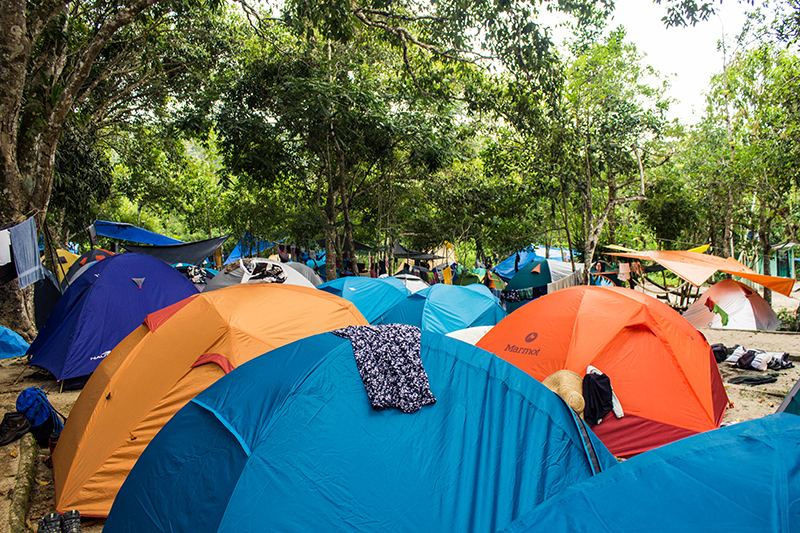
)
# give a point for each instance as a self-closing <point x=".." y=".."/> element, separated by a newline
<point x="16" y="313"/>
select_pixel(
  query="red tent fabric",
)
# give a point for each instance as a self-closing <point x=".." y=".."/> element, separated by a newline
<point x="661" y="368"/>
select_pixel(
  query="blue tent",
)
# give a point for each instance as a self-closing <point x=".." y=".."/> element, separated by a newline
<point x="11" y="344"/>
<point x="370" y="296"/>
<point x="446" y="308"/>
<point x="396" y="282"/>
<point x="505" y="268"/>
<point x="100" y="308"/>
<point x="744" y="477"/>
<point x="290" y="442"/>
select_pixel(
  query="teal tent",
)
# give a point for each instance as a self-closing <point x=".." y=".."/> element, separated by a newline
<point x="290" y="442"/>
<point x="445" y="308"/>
<point x="744" y="477"/>
<point x="371" y="296"/>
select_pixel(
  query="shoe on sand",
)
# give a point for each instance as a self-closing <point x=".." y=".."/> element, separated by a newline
<point x="71" y="522"/>
<point x="13" y="426"/>
<point x="50" y="523"/>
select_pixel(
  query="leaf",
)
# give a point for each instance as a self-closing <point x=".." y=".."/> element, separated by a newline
<point x="40" y="482"/>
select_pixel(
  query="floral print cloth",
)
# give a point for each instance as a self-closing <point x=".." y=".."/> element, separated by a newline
<point x="388" y="360"/>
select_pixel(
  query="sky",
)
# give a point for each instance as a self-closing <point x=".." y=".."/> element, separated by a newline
<point x="688" y="56"/>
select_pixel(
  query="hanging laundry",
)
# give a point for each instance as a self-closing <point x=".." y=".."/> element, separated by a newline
<point x="26" y="253"/>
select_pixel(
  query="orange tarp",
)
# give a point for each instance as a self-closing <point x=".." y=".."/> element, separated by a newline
<point x="176" y="354"/>
<point x="696" y="268"/>
<point x="661" y="368"/>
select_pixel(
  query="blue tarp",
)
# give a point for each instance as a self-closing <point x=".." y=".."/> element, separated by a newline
<point x="100" y="308"/>
<point x="446" y="308"/>
<point x="128" y="232"/>
<point x="289" y="442"/>
<point x="249" y="246"/>
<point x="371" y="296"/>
<point x="744" y="477"/>
<point x="11" y="344"/>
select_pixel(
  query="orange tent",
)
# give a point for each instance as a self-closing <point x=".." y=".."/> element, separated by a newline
<point x="661" y="368"/>
<point x="177" y="353"/>
<point x="696" y="268"/>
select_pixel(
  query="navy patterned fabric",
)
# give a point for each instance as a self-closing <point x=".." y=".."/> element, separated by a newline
<point x="388" y="360"/>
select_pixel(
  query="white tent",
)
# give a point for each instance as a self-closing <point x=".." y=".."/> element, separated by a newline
<point x="413" y="283"/>
<point x="256" y="270"/>
<point x="746" y="309"/>
<point x="470" y="335"/>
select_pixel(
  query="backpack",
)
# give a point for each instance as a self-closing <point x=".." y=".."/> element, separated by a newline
<point x="45" y="420"/>
<point x="720" y="352"/>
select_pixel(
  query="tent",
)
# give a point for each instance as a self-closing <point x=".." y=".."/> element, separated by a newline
<point x="534" y="278"/>
<point x="413" y="283"/>
<point x="100" y="308"/>
<point x="65" y="260"/>
<point x="371" y="296"/>
<point x="744" y="477"/>
<point x="471" y="335"/>
<point x="444" y="308"/>
<point x="83" y="261"/>
<point x="309" y="273"/>
<point x="741" y="307"/>
<point x="177" y="353"/>
<point x="255" y="270"/>
<point x="661" y="368"/>
<point x="511" y="264"/>
<point x="791" y="402"/>
<point x="11" y="344"/>
<point x="290" y="442"/>
<point x="194" y="253"/>
<point x="46" y="294"/>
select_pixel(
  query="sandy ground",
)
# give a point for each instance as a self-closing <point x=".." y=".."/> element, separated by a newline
<point x="746" y="402"/>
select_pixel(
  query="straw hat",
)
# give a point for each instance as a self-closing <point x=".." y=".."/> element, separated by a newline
<point x="569" y="386"/>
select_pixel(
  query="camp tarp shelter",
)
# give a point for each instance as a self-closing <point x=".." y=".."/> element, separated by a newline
<point x="444" y="308"/>
<point x="359" y="246"/>
<point x="234" y="274"/>
<point x="791" y="402"/>
<point x="309" y="273"/>
<point x="11" y="344"/>
<point x="371" y="296"/>
<point x="661" y="368"/>
<point x="537" y="275"/>
<point x="290" y="442"/>
<point x="412" y="283"/>
<point x="193" y="253"/>
<point x="177" y="353"/>
<point x="744" y="308"/>
<point x="696" y="268"/>
<point x="743" y="477"/>
<point x="123" y="231"/>
<point x="249" y="246"/>
<point x="100" y="308"/>
<point x="402" y="252"/>
<point x="82" y="262"/>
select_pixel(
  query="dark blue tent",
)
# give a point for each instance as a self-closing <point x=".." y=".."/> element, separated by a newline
<point x="446" y="308"/>
<point x="744" y="477"/>
<point x="100" y="308"/>
<point x="290" y="442"/>
<point x="11" y="344"/>
<point x="371" y="296"/>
